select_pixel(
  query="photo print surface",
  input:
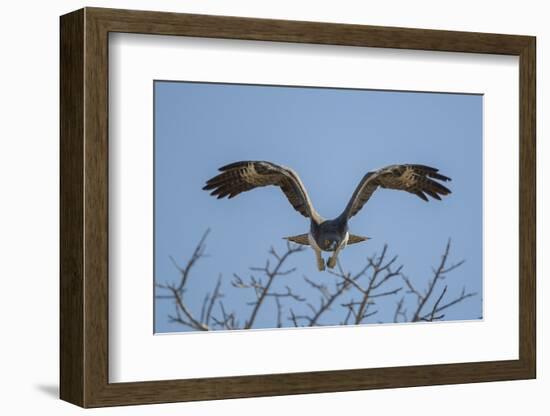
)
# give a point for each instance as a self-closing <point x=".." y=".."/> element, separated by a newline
<point x="284" y="207"/>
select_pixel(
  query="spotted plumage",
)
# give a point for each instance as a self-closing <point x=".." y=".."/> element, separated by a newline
<point x="326" y="235"/>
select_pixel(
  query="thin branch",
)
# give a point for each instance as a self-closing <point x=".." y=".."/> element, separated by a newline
<point x="215" y="296"/>
<point x="436" y="304"/>
<point x="293" y="318"/>
<point x="279" y="312"/>
<point x="204" y="306"/>
<point x="378" y="267"/>
<point x="198" y="253"/>
<point x="325" y="305"/>
<point x="372" y="283"/>
<point x="388" y="293"/>
<point x="451" y="303"/>
<point x="196" y="324"/>
<point x="438" y="274"/>
<point x="399" y="310"/>
<point x="271" y="275"/>
<point x="288" y="294"/>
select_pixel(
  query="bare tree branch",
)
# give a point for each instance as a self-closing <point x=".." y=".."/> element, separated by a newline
<point x="438" y="275"/>
<point x="293" y="318"/>
<point x="459" y="299"/>
<point x="399" y="311"/>
<point x="179" y="302"/>
<point x="271" y="274"/>
<point x="377" y="279"/>
<point x="326" y="304"/>
<point x="198" y="253"/>
<point x="348" y="297"/>
<point x="215" y="296"/>
<point x="279" y="312"/>
<point x="176" y="291"/>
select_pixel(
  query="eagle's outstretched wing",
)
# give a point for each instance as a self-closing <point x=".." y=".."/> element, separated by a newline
<point x="416" y="179"/>
<point x="246" y="175"/>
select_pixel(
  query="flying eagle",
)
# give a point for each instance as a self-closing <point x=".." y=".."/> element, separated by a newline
<point x="325" y="235"/>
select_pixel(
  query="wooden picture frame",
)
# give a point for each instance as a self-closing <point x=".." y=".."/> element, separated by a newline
<point x="84" y="207"/>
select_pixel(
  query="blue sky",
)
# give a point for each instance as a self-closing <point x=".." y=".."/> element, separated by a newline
<point x="331" y="137"/>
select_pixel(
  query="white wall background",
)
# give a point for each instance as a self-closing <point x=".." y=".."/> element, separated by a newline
<point x="29" y="206"/>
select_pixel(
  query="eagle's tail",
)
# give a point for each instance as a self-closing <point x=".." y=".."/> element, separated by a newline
<point x="356" y="239"/>
<point x="303" y="239"/>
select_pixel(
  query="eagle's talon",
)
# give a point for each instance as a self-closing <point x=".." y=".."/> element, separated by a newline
<point x="331" y="262"/>
<point x="321" y="265"/>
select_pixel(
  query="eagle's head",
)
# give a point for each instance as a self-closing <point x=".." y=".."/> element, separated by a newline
<point x="330" y="234"/>
<point x="329" y="242"/>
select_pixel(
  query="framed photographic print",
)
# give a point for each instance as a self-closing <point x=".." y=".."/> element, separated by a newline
<point x="255" y="207"/>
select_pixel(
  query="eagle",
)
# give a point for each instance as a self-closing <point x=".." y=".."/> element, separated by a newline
<point x="326" y="235"/>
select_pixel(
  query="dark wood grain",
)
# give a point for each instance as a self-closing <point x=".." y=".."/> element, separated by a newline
<point x="96" y="219"/>
<point x="162" y="23"/>
<point x="527" y="208"/>
<point x="84" y="207"/>
<point x="71" y="100"/>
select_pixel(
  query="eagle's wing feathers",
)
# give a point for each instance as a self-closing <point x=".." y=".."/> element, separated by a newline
<point x="419" y="180"/>
<point x="239" y="177"/>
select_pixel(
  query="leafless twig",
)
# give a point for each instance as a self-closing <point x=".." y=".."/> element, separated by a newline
<point x="348" y="298"/>
<point x="263" y="290"/>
